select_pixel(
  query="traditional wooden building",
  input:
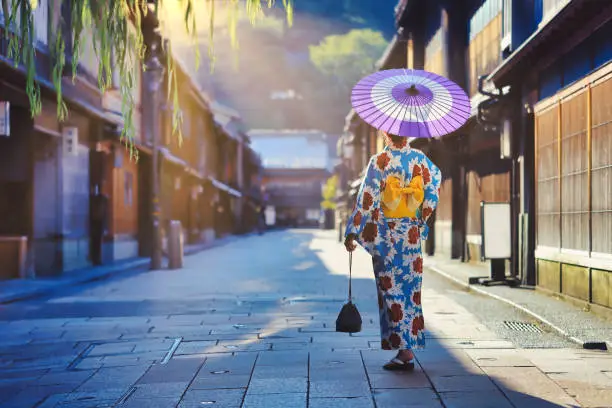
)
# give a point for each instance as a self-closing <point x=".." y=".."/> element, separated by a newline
<point x="558" y="68"/>
<point x="537" y="73"/>
<point x="228" y="178"/>
<point x="296" y="165"/>
<point x="51" y="169"/>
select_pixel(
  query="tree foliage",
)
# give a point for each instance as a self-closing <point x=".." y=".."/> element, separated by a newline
<point x="329" y="193"/>
<point x="115" y="27"/>
<point x="349" y="57"/>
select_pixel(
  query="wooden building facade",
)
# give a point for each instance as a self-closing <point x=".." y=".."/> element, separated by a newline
<point x="54" y="175"/>
<point x="561" y="76"/>
<point x="537" y="73"/>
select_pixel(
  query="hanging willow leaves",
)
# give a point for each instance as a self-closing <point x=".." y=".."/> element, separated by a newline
<point x="113" y="28"/>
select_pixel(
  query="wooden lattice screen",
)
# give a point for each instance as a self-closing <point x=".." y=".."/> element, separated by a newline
<point x="548" y="211"/>
<point x="602" y="167"/>
<point x="574" y="180"/>
<point x="574" y="174"/>
<point x="484" y="52"/>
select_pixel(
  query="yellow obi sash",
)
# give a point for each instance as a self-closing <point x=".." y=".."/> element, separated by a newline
<point x="399" y="201"/>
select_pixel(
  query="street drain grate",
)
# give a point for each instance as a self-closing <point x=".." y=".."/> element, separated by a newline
<point x="522" y="327"/>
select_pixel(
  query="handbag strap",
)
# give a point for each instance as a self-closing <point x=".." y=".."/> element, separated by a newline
<point x="350" y="296"/>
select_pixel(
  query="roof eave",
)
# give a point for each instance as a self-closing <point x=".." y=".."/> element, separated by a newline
<point x="501" y="75"/>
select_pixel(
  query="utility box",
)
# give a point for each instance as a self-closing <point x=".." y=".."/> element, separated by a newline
<point x="175" y="245"/>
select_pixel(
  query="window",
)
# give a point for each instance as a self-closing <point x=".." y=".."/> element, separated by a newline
<point x="574" y="174"/>
<point x="128" y="188"/>
<point x="537" y="12"/>
<point x="547" y="211"/>
<point x="485" y="42"/>
<point x="88" y="58"/>
<point x="563" y="209"/>
<point x="507" y="13"/>
<point x="41" y="22"/>
<point x="601" y="173"/>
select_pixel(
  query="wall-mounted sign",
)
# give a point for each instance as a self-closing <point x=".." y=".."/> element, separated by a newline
<point x="5" y="118"/>
<point x="70" y="136"/>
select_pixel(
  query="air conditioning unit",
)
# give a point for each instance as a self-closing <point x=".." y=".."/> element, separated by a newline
<point x="70" y="137"/>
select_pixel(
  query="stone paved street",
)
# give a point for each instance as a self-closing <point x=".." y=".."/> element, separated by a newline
<point x="251" y="324"/>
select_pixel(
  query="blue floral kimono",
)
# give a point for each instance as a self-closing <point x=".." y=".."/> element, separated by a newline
<point x="397" y="176"/>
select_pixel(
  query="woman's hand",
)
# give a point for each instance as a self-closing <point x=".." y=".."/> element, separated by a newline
<point x="349" y="243"/>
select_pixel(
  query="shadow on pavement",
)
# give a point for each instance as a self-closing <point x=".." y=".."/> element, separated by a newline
<point x="249" y="324"/>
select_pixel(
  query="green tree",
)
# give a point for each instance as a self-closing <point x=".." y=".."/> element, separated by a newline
<point x="347" y="58"/>
<point x="116" y="30"/>
<point x="329" y="193"/>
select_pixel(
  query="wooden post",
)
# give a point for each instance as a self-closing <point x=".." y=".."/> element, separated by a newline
<point x="559" y="170"/>
<point x="536" y="180"/>
<point x="590" y="164"/>
<point x="590" y="181"/>
<point x="410" y="52"/>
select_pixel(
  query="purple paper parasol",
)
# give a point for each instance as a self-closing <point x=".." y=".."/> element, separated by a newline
<point x="410" y="102"/>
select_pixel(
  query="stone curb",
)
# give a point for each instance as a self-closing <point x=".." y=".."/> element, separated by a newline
<point x="523" y="309"/>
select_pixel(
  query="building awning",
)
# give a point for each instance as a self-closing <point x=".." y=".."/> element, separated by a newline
<point x="228" y="120"/>
<point x="552" y="36"/>
<point x="225" y="187"/>
<point x="172" y="158"/>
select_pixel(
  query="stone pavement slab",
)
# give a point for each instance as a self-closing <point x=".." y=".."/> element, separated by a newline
<point x="476" y="399"/>
<point x="278" y="385"/>
<point x="275" y="401"/>
<point x="415" y="397"/>
<point x="216" y="398"/>
<point x="357" y="402"/>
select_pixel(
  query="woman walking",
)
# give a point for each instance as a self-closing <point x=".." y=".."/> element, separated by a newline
<point x="396" y="198"/>
<point x="400" y="193"/>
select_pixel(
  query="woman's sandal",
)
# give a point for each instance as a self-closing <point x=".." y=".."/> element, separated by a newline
<point x="399" y="365"/>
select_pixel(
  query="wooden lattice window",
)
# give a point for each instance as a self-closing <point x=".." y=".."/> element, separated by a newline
<point x="602" y="168"/>
<point x="574" y="174"/>
<point x="547" y="188"/>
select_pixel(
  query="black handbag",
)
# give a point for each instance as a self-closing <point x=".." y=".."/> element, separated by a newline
<point x="349" y="319"/>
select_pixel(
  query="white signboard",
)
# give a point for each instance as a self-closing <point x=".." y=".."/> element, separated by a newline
<point x="270" y="214"/>
<point x="5" y="118"/>
<point x="313" y="214"/>
<point x="496" y="235"/>
<point x="70" y="137"/>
